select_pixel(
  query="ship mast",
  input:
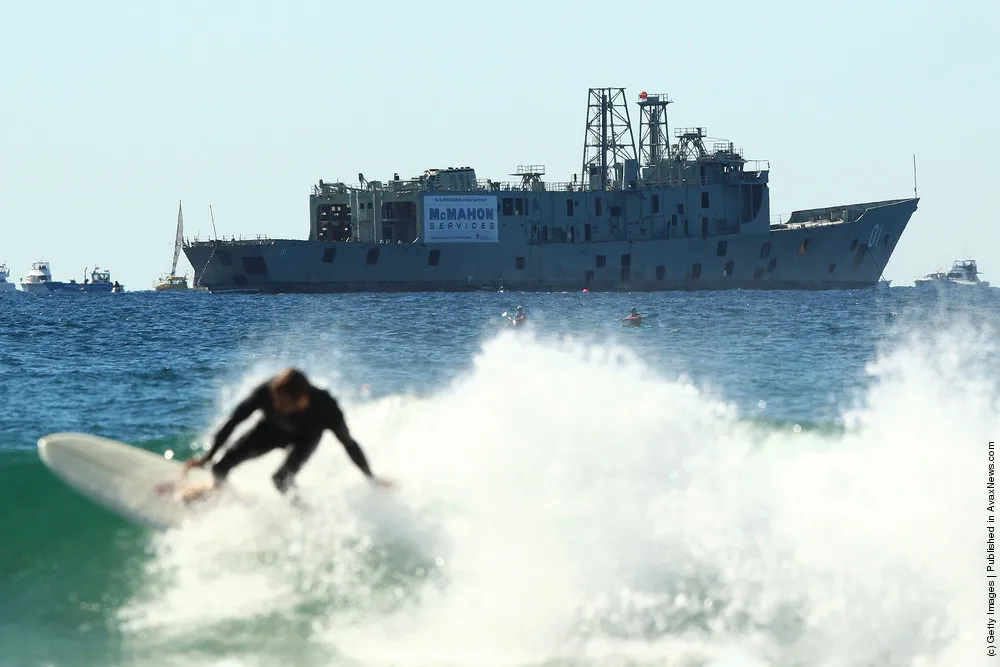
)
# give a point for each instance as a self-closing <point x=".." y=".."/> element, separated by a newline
<point x="609" y="130"/>
<point x="654" y="135"/>
<point x="178" y="239"/>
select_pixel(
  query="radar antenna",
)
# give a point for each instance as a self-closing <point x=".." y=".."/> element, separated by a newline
<point x="608" y="130"/>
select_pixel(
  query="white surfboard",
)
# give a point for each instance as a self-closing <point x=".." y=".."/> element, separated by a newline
<point x="134" y="483"/>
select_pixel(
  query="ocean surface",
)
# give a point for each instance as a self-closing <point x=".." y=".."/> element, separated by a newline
<point x="760" y="479"/>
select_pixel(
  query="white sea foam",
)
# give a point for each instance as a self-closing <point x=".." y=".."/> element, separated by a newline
<point x="564" y="505"/>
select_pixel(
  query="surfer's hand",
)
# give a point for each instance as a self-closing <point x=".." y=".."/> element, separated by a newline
<point x="383" y="483"/>
<point x="194" y="462"/>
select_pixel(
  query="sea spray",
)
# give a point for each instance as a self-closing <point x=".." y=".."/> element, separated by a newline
<point x="562" y="504"/>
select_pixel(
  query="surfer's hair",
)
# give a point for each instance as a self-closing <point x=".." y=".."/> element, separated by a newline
<point x="291" y="383"/>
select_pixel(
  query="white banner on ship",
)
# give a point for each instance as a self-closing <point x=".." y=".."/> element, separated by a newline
<point x="461" y="218"/>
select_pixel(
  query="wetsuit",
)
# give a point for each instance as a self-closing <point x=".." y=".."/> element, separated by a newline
<point x="300" y="432"/>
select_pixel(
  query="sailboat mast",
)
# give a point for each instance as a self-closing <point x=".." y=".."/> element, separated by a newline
<point x="178" y="240"/>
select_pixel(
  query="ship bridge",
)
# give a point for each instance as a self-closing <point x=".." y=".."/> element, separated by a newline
<point x="670" y="183"/>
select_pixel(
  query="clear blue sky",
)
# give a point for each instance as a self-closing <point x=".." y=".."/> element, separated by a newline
<point x="113" y="111"/>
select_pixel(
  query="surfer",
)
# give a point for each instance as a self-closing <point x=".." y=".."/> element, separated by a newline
<point x="633" y="319"/>
<point x="295" y="415"/>
<point x="519" y="317"/>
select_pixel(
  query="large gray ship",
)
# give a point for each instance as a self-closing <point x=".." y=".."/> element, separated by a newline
<point x="678" y="216"/>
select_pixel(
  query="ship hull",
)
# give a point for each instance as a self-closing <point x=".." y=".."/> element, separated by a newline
<point x="956" y="285"/>
<point x="66" y="288"/>
<point x="35" y="288"/>
<point x="837" y="256"/>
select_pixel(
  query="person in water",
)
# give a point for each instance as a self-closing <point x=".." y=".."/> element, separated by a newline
<point x="633" y="319"/>
<point x="519" y="317"/>
<point x="295" y="415"/>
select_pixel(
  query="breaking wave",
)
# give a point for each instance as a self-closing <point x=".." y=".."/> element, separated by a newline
<point x="561" y="504"/>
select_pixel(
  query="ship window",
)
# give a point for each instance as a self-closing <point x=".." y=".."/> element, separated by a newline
<point x="704" y="227"/>
<point x="696" y="271"/>
<point x="704" y="200"/>
<point x="519" y="263"/>
<point x="569" y="207"/>
<point x="758" y="274"/>
<point x="721" y="250"/>
<point x="765" y="250"/>
<point x="728" y="271"/>
<point x="434" y="258"/>
<point x="656" y="203"/>
<point x="588" y="277"/>
<point x="686" y="230"/>
<point x="508" y="206"/>
<point x="328" y="255"/>
<point x="773" y="263"/>
<point x="586" y="232"/>
<point x="804" y="246"/>
<point x="369" y="206"/>
<point x="680" y="208"/>
<point x="224" y="258"/>
<point x="597" y="206"/>
<point x="519" y="206"/>
<point x="673" y="219"/>
<point x="254" y="266"/>
<point x="854" y="244"/>
<point x="661" y="271"/>
<point x="601" y="261"/>
<point x="833" y="267"/>
<point x="616" y="211"/>
<point x="626" y="260"/>
<point x="372" y="256"/>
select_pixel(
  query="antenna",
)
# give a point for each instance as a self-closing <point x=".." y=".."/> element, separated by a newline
<point x="914" y="174"/>
<point x="213" y="222"/>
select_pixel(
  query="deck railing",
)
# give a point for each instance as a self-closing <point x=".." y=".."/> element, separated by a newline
<point x="486" y="186"/>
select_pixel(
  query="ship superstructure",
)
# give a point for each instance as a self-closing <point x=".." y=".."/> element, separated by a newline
<point x="685" y="215"/>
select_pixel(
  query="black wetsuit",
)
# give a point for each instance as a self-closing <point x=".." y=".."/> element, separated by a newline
<point x="301" y="432"/>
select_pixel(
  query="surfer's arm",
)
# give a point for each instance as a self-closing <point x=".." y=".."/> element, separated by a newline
<point x="338" y="425"/>
<point x="352" y="447"/>
<point x="357" y="456"/>
<point x="247" y="407"/>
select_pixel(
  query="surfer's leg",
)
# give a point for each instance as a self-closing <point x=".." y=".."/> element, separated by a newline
<point x="297" y="456"/>
<point x="257" y="442"/>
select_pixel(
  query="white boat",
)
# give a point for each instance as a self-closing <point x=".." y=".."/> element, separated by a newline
<point x="38" y="279"/>
<point x="172" y="281"/>
<point x="5" y="286"/>
<point x="963" y="273"/>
